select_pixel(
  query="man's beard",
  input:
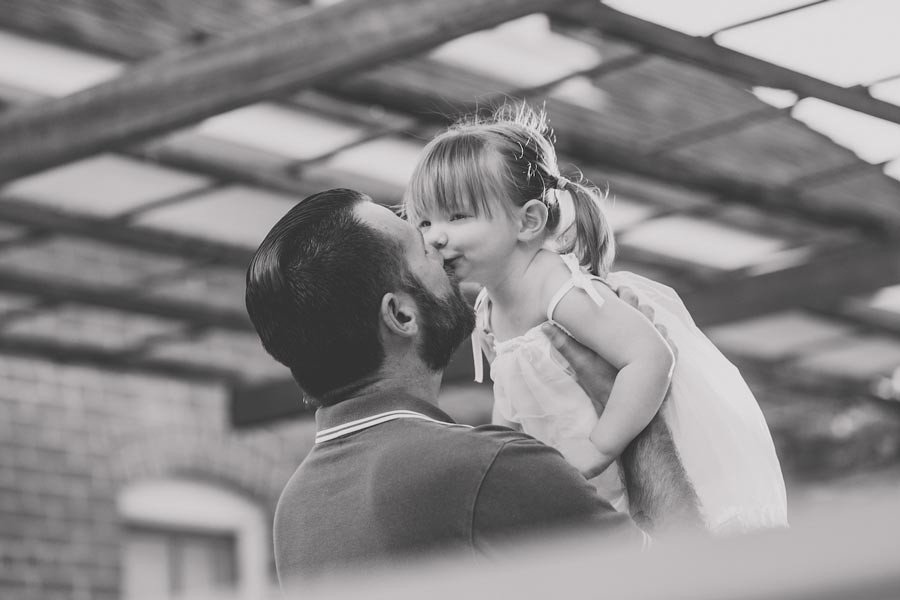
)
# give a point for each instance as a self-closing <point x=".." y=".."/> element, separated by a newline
<point x="446" y="323"/>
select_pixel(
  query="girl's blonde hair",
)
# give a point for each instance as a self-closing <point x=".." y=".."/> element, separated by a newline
<point x="481" y="165"/>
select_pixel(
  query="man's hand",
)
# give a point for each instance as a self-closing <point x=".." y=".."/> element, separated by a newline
<point x="593" y="373"/>
<point x="660" y="495"/>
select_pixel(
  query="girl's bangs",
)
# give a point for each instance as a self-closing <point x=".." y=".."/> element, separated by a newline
<point x="454" y="177"/>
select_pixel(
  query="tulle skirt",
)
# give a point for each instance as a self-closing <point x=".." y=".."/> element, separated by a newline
<point x="717" y="426"/>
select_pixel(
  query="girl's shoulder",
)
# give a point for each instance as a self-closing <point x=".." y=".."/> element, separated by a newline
<point x="558" y="270"/>
<point x="565" y="274"/>
<point x="551" y="272"/>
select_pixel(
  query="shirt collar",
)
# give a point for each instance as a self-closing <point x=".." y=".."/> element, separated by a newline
<point x="373" y="403"/>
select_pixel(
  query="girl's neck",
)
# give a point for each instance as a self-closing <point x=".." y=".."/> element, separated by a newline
<point x="513" y="282"/>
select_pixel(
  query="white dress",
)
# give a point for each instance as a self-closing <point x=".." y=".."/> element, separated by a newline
<point x="716" y="424"/>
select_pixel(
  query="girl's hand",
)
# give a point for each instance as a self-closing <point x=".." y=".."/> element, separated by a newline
<point x="594" y="374"/>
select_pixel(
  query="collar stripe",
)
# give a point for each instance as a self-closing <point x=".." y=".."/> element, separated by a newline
<point x="338" y="431"/>
<point x="366" y="419"/>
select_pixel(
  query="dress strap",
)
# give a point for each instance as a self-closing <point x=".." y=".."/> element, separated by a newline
<point x="477" y="335"/>
<point x="580" y="280"/>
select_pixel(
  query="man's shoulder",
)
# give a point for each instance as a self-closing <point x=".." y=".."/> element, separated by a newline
<point x="456" y="443"/>
<point x="469" y="454"/>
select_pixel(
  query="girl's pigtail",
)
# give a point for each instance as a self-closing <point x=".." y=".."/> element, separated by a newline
<point x="593" y="244"/>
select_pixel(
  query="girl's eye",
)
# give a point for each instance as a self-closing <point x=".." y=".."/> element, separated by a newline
<point x="424" y="224"/>
<point x="459" y="216"/>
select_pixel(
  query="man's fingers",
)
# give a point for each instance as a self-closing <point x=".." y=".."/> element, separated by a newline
<point x="556" y="335"/>
<point x="565" y="345"/>
<point x="665" y="335"/>
<point x="627" y="295"/>
<point x="592" y="373"/>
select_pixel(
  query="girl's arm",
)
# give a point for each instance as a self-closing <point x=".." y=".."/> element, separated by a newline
<point x="630" y="343"/>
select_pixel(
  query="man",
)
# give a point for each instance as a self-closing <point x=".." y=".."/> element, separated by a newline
<point x="351" y="299"/>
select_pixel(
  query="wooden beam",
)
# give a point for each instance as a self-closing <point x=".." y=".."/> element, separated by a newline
<point x="829" y="277"/>
<point x="43" y="219"/>
<point x="390" y="87"/>
<point x="709" y="55"/>
<point x="874" y="320"/>
<point x="117" y="298"/>
<point x="716" y="129"/>
<point x="113" y="360"/>
<point x="767" y="16"/>
<point x="136" y="30"/>
<point x="301" y="49"/>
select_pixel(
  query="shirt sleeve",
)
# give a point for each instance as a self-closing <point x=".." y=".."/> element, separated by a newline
<point x="529" y="488"/>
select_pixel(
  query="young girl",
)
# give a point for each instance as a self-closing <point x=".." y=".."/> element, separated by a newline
<point x="487" y="195"/>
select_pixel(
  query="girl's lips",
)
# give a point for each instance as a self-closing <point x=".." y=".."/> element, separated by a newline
<point x="450" y="266"/>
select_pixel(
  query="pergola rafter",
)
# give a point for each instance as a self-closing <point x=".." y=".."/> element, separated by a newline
<point x="820" y="282"/>
<point x="48" y="220"/>
<point x="190" y="84"/>
<point x="391" y="93"/>
<point x="302" y="49"/>
<point x="112" y="359"/>
<point x="707" y="54"/>
<point x="767" y="16"/>
<point x="387" y="89"/>
<point x="124" y="299"/>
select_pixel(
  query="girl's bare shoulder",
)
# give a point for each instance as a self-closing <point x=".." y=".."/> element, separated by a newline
<point x="551" y="273"/>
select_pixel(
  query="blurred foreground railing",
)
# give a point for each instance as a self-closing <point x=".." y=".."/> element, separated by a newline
<point x="841" y="550"/>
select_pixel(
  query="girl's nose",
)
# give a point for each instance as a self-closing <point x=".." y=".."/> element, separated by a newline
<point x="438" y="239"/>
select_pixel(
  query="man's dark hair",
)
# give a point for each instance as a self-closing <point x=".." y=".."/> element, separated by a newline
<point x="314" y="290"/>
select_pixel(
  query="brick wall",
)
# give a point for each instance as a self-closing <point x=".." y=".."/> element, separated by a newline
<point x="71" y="438"/>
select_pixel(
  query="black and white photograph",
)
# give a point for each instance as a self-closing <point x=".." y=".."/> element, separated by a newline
<point x="449" y="299"/>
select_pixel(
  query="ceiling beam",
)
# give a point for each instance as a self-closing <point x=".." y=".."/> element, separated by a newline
<point x="707" y="54"/>
<point x="829" y="277"/>
<point x="114" y="360"/>
<point x="123" y="299"/>
<point x="391" y="88"/>
<point x="43" y="219"/>
<point x="767" y="16"/>
<point x="301" y="49"/>
<point x="715" y="129"/>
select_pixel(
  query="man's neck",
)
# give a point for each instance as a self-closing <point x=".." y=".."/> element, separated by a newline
<point x="419" y="383"/>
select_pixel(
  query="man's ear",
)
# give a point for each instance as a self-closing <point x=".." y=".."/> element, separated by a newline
<point x="532" y="220"/>
<point x="400" y="314"/>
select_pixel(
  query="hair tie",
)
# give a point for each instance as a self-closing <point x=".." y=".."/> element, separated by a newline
<point x="562" y="183"/>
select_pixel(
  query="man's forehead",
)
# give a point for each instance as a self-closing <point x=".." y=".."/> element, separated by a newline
<point x="384" y="220"/>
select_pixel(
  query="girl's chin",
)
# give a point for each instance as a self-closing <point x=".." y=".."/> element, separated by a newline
<point x="464" y="278"/>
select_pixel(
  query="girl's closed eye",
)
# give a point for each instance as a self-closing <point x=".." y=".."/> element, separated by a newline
<point x="460" y="217"/>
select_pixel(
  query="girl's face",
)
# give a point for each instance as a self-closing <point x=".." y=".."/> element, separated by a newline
<point x="474" y="248"/>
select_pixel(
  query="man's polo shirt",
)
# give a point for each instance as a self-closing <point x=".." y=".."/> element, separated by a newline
<point x="392" y="475"/>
